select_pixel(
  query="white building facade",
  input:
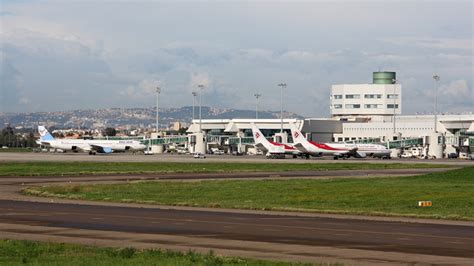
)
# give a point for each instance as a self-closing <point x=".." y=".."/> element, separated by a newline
<point x="406" y="126"/>
<point x="348" y="100"/>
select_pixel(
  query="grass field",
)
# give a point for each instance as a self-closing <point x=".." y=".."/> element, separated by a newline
<point x="89" y="168"/>
<point x="452" y="194"/>
<point x="13" y="252"/>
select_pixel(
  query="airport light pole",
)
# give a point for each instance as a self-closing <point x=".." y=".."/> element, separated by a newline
<point x="281" y="85"/>
<point x="158" y="91"/>
<point x="256" y="104"/>
<point x="394" y="87"/>
<point x="436" y="79"/>
<point x="201" y="87"/>
<point x="194" y="101"/>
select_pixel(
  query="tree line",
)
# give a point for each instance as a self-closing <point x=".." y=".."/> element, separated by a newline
<point x="23" y="139"/>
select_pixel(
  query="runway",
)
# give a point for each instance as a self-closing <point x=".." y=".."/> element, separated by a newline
<point x="453" y="242"/>
<point x="139" y="157"/>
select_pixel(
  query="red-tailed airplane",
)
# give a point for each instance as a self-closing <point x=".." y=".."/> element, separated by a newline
<point x="338" y="150"/>
<point x="271" y="148"/>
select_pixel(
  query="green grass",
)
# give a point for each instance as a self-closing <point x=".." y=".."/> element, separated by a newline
<point x="16" y="252"/>
<point x="83" y="168"/>
<point x="451" y="192"/>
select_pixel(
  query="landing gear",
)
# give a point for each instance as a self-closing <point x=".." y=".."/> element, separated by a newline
<point x="92" y="153"/>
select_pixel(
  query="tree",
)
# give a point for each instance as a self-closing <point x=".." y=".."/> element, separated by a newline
<point x="110" y="131"/>
<point x="182" y="131"/>
<point x="8" y="137"/>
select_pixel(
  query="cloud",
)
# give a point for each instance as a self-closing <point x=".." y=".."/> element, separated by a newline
<point x="429" y="42"/>
<point x="255" y="54"/>
<point x="24" y="100"/>
<point x="144" y="89"/>
<point x="456" y="92"/>
<point x="199" y="79"/>
<point x="69" y="50"/>
<point x="10" y="80"/>
<point x="453" y="96"/>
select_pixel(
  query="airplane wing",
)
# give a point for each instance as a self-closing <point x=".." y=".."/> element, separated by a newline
<point x="100" y="149"/>
<point x="352" y="152"/>
<point x="261" y="147"/>
<point x="301" y="148"/>
<point x="45" y="143"/>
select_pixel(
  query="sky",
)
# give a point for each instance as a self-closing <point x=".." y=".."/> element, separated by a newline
<point x="66" y="55"/>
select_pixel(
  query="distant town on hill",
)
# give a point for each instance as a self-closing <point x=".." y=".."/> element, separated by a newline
<point x="128" y="117"/>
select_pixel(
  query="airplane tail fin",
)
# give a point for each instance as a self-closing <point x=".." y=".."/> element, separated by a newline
<point x="260" y="141"/>
<point x="258" y="136"/>
<point x="44" y="134"/>
<point x="298" y="137"/>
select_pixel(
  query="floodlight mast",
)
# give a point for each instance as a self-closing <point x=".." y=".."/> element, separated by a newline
<point x="256" y="104"/>
<point x="281" y="85"/>
<point x="436" y="79"/>
<point x="194" y="101"/>
<point x="394" y="87"/>
<point x="158" y="91"/>
<point x="201" y="87"/>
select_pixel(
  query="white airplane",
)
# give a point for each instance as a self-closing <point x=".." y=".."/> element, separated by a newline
<point x="338" y="150"/>
<point x="272" y="149"/>
<point x="88" y="145"/>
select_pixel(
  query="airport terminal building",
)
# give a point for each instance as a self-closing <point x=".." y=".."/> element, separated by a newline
<point x="359" y="113"/>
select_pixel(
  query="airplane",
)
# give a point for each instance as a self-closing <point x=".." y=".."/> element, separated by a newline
<point x="338" y="150"/>
<point x="272" y="149"/>
<point x="88" y="145"/>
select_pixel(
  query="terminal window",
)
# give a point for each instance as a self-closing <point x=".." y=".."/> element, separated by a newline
<point x="337" y="96"/>
<point x="337" y="106"/>
<point x="392" y="96"/>
<point x="352" y="106"/>
<point x="372" y="106"/>
<point x="373" y="96"/>
<point x="352" y="96"/>
<point x="391" y="106"/>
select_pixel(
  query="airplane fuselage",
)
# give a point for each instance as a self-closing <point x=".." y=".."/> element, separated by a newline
<point x="87" y="145"/>
<point x="338" y="150"/>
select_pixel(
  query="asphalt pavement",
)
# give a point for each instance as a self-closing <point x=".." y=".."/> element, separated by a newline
<point x="452" y="242"/>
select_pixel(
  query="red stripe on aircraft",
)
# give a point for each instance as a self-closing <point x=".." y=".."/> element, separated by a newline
<point x="287" y="147"/>
<point x="326" y="147"/>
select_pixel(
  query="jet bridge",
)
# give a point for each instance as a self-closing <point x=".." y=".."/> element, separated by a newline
<point x="404" y="143"/>
<point x="179" y="139"/>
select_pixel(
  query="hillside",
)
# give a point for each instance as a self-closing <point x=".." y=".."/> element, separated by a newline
<point x="127" y="117"/>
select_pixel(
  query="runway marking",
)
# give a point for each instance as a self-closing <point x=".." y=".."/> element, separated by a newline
<point x="272" y="225"/>
<point x="455" y="242"/>
<point x="97" y="218"/>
